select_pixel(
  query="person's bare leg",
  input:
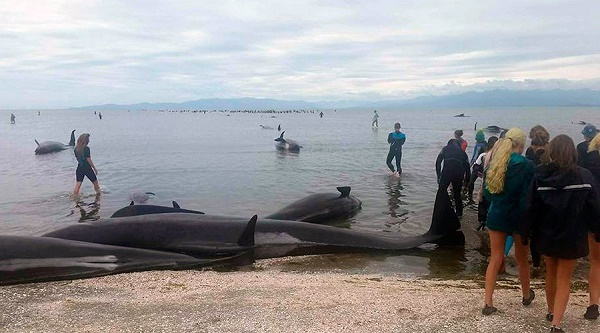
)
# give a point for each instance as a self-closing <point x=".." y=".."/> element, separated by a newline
<point x="96" y="187"/>
<point x="77" y="187"/>
<point x="497" y="240"/>
<point x="563" y="288"/>
<point x="551" y="266"/>
<point x="522" y="256"/>
<point x="594" y="278"/>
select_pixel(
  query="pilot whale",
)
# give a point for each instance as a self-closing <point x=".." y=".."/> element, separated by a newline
<point x="135" y="210"/>
<point x="320" y="208"/>
<point x="287" y="145"/>
<point x="47" y="147"/>
<point x="205" y="235"/>
<point x="26" y="259"/>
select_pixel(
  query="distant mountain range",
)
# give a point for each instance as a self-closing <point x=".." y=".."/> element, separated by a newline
<point x="489" y="98"/>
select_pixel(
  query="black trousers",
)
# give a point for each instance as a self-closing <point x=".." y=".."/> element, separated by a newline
<point x="398" y="156"/>
<point x="457" y="181"/>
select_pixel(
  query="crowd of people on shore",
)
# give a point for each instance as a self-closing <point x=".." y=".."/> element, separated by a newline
<point x="548" y="200"/>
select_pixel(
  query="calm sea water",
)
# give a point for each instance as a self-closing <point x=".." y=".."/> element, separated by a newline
<point x="224" y="163"/>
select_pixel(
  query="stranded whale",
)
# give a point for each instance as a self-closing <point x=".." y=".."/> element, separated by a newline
<point x="287" y="145"/>
<point x="38" y="259"/>
<point x="320" y="208"/>
<point x="135" y="210"/>
<point x="47" y="147"/>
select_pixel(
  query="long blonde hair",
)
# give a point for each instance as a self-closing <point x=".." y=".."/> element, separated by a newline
<point x="496" y="174"/>
<point x="594" y="144"/>
<point x="82" y="142"/>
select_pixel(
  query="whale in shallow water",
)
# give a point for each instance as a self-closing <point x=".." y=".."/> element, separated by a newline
<point x="493" y="129"/>
<point x="135" y="210"/>
<point x="204" y="235"/>
<point x="287" y="145"/>
<point x="47" y="147"/>
<point x="321" y="207"/>
<point x="38" y="259"/>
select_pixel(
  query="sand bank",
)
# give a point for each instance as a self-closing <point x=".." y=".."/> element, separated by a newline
<point x="273" y="301"/>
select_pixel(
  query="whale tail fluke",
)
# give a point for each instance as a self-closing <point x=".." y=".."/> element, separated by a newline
<point x="280" y="138"/>
<point x="444" y="220"/>
<point x="36" y="141"/>
<point x="247" y="237"/>
<point x="176" y="205"/>
<point x="72" y="140"/>
<point x="344" y="191"/>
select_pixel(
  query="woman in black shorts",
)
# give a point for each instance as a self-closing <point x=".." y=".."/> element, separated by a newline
<point x="85" y="166"/>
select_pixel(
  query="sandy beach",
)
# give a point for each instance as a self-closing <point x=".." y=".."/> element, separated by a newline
<point x="274" y="301"/>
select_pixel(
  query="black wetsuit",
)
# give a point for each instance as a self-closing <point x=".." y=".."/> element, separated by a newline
<point x="396" y="140"/>
<point x="84" y="169"/>
<point x="456" y="169"/>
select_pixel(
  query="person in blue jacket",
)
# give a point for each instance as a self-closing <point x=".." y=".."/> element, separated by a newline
<point x="396" y="139"/>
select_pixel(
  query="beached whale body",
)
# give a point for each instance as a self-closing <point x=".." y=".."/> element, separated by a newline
<point x="494" y="129"/>
<point x="135" y="210"/>
<point x="47" y="147"/>
<point x="320" y="208"/>
<point x="38" y="259"/>
<point x="287" y="145"/>
<point x="204" y="235"/>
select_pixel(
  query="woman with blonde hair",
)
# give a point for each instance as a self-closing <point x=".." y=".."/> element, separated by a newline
<point x="563" y="205"/>
<point x="85" y="166"/>
<point x="506" y="186"/>
<point x="592" y="162"/>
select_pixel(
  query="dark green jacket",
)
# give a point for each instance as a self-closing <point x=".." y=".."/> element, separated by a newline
<point x="507" y="208"/>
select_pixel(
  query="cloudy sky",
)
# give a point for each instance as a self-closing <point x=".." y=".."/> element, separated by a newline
<point x="77" y="52"/>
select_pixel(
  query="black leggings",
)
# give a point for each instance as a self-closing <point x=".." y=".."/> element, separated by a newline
<point x="390" y="157"/>
<point x="457" y="184"/>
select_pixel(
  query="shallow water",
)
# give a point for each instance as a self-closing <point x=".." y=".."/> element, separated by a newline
<point x="223" y="163"/>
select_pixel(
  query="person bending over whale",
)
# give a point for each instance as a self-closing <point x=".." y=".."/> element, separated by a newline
<point x="396" y="139"/>
<point x="85" y="166"/>
<point x="456" y="170"/>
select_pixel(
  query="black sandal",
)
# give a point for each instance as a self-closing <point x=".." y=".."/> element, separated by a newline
<point x="549" y="317"/>
<point x="488" y="310"/>
<point x="592" y="312"/>
<point x="556" y="329"/>
<point x="527" y="301"/>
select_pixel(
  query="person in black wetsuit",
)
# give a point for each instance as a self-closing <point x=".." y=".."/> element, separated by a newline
<point x="85" y="166"/>
<point x="456" y="170"/>
<point x="396" y="139"/>
<point x="588" y="157"/>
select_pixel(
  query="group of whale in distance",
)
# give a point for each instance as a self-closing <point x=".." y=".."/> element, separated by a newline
<point x="47" y="147"/>
<point x="148" y="237"/>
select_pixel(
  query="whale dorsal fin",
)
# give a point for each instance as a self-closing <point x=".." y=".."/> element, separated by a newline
<point x="176" y="205"/>
<point x="72" y="140"/>
<point x="36" y="142"/>
<point x="344" y="190"/>
<point x="280" y="138"/>
<point x="132" y="203"/>
<point x="247" y="237"/>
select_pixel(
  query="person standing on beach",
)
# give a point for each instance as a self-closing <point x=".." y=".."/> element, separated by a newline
<point x="85" y="166"/>
<point x="396" y="140"/>
<point x="479" y="146"/>
<point x="321" y="114"/>
<point x="375" y="122"/>
<point x="12" y="118"/>
<point x="591" y="162"/>
<point x="539" y="140"/>
<point x="456" y="169"/>
<point x="564" y="201"/>
<point x="507" y="180"/>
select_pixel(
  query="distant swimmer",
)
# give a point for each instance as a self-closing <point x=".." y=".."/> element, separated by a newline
<point x="100" y="115"/>
<point x="95" y="112"/>
<point x="375" y="122"/>
<point x="475" y="127"/>
<point x="396" y="140"/>
<point x="12" y="118"/>
<point x="85" y="166"/>
<point x="321" y="114"/>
